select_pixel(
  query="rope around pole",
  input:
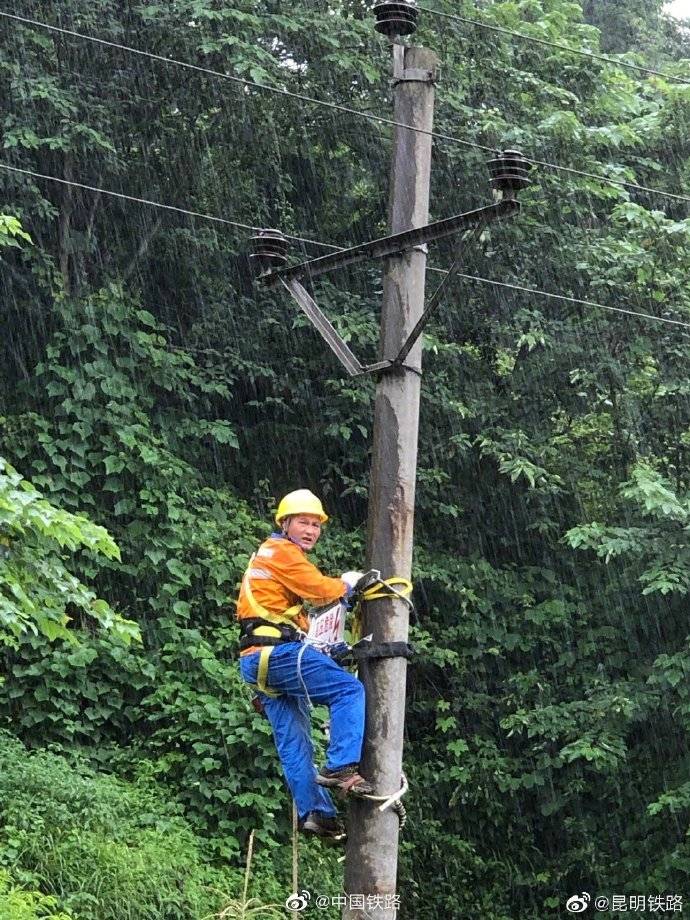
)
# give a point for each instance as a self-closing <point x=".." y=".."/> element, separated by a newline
<point x="393" y="800"/>
<point x="385" y="587"/>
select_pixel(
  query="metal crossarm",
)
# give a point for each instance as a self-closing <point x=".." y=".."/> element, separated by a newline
<point x="473" y="221"/>
<point x="397" y="243"/>
<point x="509" y="174"/>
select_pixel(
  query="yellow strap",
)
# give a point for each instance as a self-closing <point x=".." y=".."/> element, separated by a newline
<point x="377" y="592"/>
<point x="262" y="673"/>
<point x="259" y="611"/>
<point x="269" y="632"/>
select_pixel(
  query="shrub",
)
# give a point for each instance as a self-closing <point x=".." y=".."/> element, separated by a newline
<point x="18" y="904"/>
<point x="106" y="849"/>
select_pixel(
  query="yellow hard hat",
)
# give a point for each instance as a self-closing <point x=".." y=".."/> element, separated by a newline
<point x="301" y="501"/>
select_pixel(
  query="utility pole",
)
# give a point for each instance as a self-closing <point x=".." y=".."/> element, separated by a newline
<point x="372" y="849"/>
<point x="373" y="831"/>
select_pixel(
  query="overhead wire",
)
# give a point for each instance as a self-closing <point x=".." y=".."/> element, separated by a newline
<point x="148" y="201"/>
<point x="598" y="177"/>
<point x="357" y="112"/>
<point x="237" y="224"/>
<point x="543" y="41"/>
<point x="622" y="183"/>
<point x="564" y="297"/>
<point x="240" y="80"/>
<point x="599" y="57"/>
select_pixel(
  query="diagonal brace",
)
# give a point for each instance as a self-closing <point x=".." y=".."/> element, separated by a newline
<point x="425" y="317"/>
<point x="324" y="327"/>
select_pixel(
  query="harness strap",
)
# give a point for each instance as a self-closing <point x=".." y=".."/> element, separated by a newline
<point x="262" y="612"/>
<point x="262" y="673"/>
<point x="267" y="636"/>
<point x="257" y="631"/>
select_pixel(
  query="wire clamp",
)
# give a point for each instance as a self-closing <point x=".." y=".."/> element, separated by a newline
<point x="402" y="74"/>
<point x="414" y="75"/>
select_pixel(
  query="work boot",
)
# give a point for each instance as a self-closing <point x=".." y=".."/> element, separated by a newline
<point x="322" y="825"/>
<point x="345" y="779"/>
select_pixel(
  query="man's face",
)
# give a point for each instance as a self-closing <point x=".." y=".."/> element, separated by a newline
<point x="304" y="529"/>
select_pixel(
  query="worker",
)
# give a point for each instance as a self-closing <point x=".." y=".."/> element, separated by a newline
<point x="289" y="672"/>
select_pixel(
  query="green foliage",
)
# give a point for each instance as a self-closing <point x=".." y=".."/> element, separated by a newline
<point x="20" y="904"/>
<point x="655" y="540"/>
<point x="244" y="908"/>
<point x="103" y="848"/>
<point x="36" y="590"/>
<point x="11" y="232"/>
<point x="146" y="382"/>
<point x="139" y="461"/>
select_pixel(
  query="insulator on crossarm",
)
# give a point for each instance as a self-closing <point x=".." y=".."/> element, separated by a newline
<point x="396" y="17"/>
<point x="509" y="171"/>
<point x="269" y="251"/>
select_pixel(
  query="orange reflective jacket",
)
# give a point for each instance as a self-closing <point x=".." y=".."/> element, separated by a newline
<point x="281" y="577"/>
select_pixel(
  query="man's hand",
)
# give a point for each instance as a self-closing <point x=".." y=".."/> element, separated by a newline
<point x="351" y="578"/>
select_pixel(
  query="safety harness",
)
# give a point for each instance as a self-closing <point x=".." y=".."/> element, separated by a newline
<point x="266" y="629"/>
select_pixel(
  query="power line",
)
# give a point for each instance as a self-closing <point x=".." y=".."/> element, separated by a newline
<point x="103" y="191"/>
<point x="232" y="223"/>
<point x="566" y="298"/>
<point x="148" y="201"/>
<point x="543" y="41"/>
<point x="606" y="180"/>
<point x="249" y="83"/>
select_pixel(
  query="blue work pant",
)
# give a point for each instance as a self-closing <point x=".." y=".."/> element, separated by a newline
<point x="327" y="684"/>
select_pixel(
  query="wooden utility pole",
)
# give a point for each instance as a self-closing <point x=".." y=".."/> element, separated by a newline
<point x="372" y="849"/>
